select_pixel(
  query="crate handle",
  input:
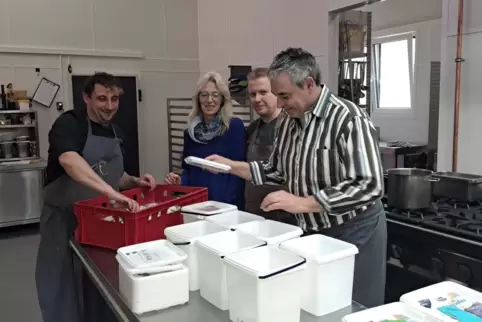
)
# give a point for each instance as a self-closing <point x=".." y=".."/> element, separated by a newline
<point x="173" y="209"/>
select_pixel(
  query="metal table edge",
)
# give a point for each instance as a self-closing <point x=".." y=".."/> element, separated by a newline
<point x="108" y="292"/>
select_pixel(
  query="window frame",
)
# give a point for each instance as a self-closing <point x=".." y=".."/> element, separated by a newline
<point x="409" y="36"/>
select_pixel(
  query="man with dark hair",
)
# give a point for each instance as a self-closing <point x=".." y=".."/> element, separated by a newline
<point x="327" y="154"/>
<point x="261" y="137"/>
<point x="85" y="161"/>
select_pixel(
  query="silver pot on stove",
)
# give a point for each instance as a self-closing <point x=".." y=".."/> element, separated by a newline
<point x="410" y="188"/>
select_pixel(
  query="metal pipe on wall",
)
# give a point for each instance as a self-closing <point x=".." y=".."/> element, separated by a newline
<point x="458" y="71"/>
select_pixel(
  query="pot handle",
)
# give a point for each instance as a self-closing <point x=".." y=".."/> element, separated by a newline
<point x="430" y="179"/>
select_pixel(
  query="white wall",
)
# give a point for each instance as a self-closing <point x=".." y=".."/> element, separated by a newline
<point x="411" y="125"/>
<point x="252" y="32"/>
<point x="470" y="129"/>
<point x="156" y="40"/>
<point x="395" y="13"/>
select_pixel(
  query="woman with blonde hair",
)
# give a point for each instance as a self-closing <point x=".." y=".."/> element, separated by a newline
<point x="213" y="130"/>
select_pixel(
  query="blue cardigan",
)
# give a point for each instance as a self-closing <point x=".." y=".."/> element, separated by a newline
<point x="221" y="187"/>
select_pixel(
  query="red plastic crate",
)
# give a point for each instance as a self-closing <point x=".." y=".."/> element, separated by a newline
<point x="103" y="226"/>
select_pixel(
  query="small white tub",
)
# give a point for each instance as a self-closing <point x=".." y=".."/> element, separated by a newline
<point x="272" y="232"/>
<point x="155" y="291"/>
<point x="390" y="312"/>
<point x="210" y="253"/>
<point x="184" y="237"/>
<point x="328" y="283"/>
<point x="203" y="210"/>
<point x="233" y="218"/>
<point x="263" y="285"/>
<point x="152" y="254"/>
<point x="429" y="300"/>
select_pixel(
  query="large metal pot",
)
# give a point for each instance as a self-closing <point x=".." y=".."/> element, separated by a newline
<point x="410" y="188"/>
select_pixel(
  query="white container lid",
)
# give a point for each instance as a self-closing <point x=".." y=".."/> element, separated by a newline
<point x="320" y="248"/>
<point x="228" y="242"/>
<point x="155" y="253"/>
<point x="390" y="312"/>
<point x="233" y="218"/>
<point x="138" y="272"/>
<point x="207" y="164"/>
<point x="208" y="208"/>
<point x="429" y="299"/>
<point x="265" y="262"/>
<point x="188" y="233"/>
<point x="270" y="231"/>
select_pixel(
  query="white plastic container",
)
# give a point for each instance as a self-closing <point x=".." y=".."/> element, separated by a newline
<point x="184" y="237"/>
<point x="429" y="299"/>
<point x="233" y="218"/>
<point x="153" y="292"/>
<point x="263" y="285"/>
<point x="207" y="164"/>
<point x="390" y="312"/>
<point x="210" y="253"/>
<point x="328" y="280"/>
<point x="155" y="253"/>
<point x="202" y="210"/>
<point x="272" y="232"/>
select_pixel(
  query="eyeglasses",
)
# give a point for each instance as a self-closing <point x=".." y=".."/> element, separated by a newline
<point x="204" y="96"/>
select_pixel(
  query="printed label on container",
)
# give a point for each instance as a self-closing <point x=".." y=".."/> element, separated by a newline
<point x="456" y="306"/>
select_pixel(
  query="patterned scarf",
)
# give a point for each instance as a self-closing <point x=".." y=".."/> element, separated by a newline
<point x="201" y="132"/>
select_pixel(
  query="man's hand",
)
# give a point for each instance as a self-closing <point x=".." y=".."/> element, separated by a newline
<point x="122" y="201"/>
<point x="172" y="179"/>
<point x="220" y="159"/>
<point x="147" y="181"/>
<point x="282" y="200"/>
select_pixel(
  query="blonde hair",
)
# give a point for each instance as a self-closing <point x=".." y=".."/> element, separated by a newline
<point x="225" y="111"/>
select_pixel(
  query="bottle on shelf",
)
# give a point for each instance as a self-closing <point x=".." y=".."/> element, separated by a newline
<point x="3" y="99"/>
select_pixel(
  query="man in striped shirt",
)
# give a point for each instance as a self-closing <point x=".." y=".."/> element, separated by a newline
<point x="327" y="154"/>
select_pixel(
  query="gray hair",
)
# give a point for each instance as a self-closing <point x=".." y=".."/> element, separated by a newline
<point x="298" y="63"/>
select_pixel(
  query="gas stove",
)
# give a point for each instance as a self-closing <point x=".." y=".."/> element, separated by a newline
<point x="462" y="219"/>
<point x="426" y="246"/>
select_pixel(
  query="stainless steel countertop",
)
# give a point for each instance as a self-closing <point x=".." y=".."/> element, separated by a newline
<point x="101" y="265"/>
<point x="39" y="164"/>
<point x="200" y="310"/>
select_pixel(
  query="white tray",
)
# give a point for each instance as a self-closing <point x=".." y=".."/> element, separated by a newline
<point x="206" y="164"/>
<point x="430" y="299"/>
<point x="156" y="253"/>
<point x="208" y="208"/>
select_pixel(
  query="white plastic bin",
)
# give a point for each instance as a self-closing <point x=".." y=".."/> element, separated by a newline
<point x="328" y="280"/>
<point x="202" y="210"/>
<point x="272" y="232"/>
<point x="153" y="292"/>
<point x="184" y="236"/>
<point x="233" y="218"/>
<point x="263" y="285"/>
<point x="210" y="253"/>
<point x="390" y="312"/>
<point x="152" y="254"/>
<point x="430" y="299"/>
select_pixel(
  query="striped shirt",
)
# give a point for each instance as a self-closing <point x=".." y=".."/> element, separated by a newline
<point x="332" y="154"/>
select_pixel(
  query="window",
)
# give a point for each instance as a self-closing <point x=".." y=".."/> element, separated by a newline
<point x="393" y="66"/>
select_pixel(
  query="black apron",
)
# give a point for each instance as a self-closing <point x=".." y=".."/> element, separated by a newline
<point x="57" y="286"/>
<point x="253" y="194"/>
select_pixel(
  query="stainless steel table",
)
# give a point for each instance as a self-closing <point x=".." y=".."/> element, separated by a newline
<point x="101" y="267"/>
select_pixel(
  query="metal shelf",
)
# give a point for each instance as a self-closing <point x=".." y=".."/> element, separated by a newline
<point x="17" y="112"/>
<point x="17" y="126"/>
